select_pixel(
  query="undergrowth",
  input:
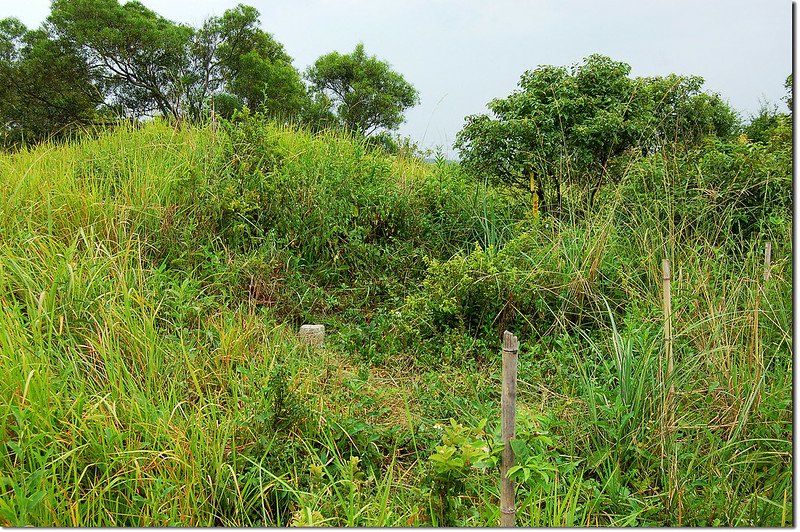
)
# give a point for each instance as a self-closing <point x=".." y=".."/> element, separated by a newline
<point x="152" y="279"/>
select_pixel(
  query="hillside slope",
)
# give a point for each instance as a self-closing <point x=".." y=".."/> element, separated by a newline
<point x="152" y="281"/>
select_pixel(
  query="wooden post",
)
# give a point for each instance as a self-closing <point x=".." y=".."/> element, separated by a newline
<point x="508" y="406"/>
<point x="767" y="259"/>
<point x="668" y="341"/>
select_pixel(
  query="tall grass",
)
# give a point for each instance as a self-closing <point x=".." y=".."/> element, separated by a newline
<point x="150" y="280"/>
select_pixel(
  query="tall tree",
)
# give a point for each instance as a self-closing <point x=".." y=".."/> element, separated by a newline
<point x="235" y="57"/>
<point x="152" y="65"/>
<point x="567" y="124"/>
<point x="142" y="57"/>
<point x="46" y="88"/>
<point x="365" y="94"/>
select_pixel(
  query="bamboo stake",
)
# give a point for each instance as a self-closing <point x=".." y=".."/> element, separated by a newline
<point x="668" y="341"/>
<point x="508" y="406"/>
<point x="755" y="357"/>
<point x="767" y="260"/>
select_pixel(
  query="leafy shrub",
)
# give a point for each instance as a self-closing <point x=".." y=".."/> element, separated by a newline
<point x="469" y="456"/>
<point x="532" y="284"/>
<point x="337" y="220"/>
<point x="745" y="185"/>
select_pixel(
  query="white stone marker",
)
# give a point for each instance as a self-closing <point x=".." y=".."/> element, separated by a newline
<point x="313" y="335"/>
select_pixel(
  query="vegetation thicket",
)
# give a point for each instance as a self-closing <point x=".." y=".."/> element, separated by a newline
<point x="153" y="275"/>
<point x="153" y="278"/>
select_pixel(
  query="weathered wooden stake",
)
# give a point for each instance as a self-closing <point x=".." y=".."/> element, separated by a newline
<point x="755" y="356"/>
<point x="668" y="341"/>
<point x="767" y="260"/>
<point x="508" y="406"/>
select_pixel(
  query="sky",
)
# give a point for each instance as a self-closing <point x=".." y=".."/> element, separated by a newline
<point x="460" y="54"/>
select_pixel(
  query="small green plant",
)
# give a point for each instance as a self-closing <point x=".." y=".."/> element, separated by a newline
<point x="463" y="449"/>
<point x="470" y="453"/>
<point x="533" y="455"/>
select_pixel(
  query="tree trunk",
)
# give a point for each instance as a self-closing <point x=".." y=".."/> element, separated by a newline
<point x="540" y="193"/>
<point x="600" y="175"/>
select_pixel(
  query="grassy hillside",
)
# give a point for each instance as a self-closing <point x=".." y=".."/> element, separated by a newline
<point x="152" y="281"/>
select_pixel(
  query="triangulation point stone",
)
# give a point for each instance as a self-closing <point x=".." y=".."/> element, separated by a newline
<point x="312" y="335"/>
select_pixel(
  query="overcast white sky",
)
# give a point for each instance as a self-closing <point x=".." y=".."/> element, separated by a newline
<point x="462" y="53"/>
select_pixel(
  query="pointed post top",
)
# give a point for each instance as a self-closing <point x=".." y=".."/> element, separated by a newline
<point x="510" y="342"/>
<point x="665" y="265"/>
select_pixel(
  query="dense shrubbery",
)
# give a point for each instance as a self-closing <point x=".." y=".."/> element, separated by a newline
<point x="727" y="192"/>
<point x="345" y="220"/>
<point x="149" y="278"/>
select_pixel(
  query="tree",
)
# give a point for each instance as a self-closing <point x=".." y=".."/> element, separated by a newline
<point x="141" y="56"/>
<point x="363" y="92"/>
<point x="95" y="57"/>
<point x="236" y="57"/>
<point x="769" y="121"/>
<point x="152" y="65"/>
<point x="763" y="124"/>
<point x="675" y="110"/>
<point x="566" y="125"/>
<point x="45" y="87"/>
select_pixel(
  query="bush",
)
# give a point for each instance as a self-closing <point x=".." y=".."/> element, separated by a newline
<point x="330" y="214"/>
<point x="746" y="185"/>
<point x="535" y="284"/>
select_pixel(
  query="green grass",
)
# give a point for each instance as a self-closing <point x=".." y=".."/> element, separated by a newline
<point x="151" y="284"/>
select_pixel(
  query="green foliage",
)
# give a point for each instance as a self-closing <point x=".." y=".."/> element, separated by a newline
<point x="361" y="223"/>
<point x="139" y="54"/>
<point x="763" y="124"/>
<point x="146" y="64"/>
<point x="459" y="466"/>
<point x="564" y="126"/>
<point x="534" y="463"/>
<point x="462" y="449"/>
<point x="226" y="105"/>
<point x="235" y="55"/>
<point x="675" y="110"/>
<point x="151" y="279"/>
<point x="529" y="284"/>
<point x="364" y="92"/>
<point x="365" y="212"/>
<point x="789" y="86"/>
<point x="770" y="126"/>
<point x="729" y="188"/>
<point x="46" y="89"/>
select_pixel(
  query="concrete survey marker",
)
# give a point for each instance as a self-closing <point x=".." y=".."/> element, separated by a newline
<point x="313" y="335"/>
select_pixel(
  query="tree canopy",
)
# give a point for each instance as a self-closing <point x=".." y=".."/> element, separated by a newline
<point x="151" y="64"/>
<point x="567" y="124"/>
<point x="44" y="85"/>
<point x="141" y="57"/>
<point x="362" y="91"/>
<point x="98" y="59"/>
<point x="236" y="58"/>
